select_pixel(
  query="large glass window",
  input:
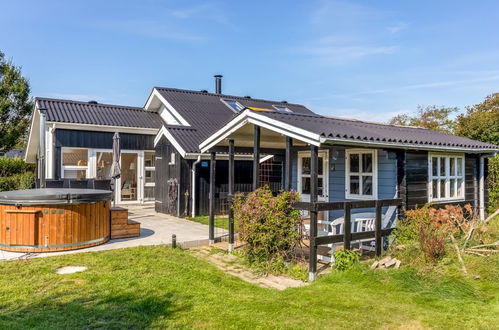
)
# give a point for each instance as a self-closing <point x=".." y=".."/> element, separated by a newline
<point x="446" y="177"/>
<point x="74" y="163"/>
<point x="104" y="162"/>
<point x="361" y="174"/>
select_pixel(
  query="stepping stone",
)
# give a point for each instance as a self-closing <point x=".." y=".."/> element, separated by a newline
<point x="70" y="270"/>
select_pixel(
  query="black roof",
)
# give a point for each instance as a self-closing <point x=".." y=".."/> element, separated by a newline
<point x="205" y="113"/>
<point x="356" y="130"/>
<point x="76" y="112"/>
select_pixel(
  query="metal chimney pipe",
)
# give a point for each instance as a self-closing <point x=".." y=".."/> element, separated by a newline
<point x="218" y="83"/>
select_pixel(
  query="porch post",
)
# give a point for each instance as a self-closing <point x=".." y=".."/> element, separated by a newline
<point x="314" y="159"/>
<point x="482" y="188"/>
<point x="256" y="157"/>
<point x="211" y="230"/>
<point x="231" y="195"/>
<point x="287" y="164"/>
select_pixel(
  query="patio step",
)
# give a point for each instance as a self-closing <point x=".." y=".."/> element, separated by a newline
<point x="121" y="226"/>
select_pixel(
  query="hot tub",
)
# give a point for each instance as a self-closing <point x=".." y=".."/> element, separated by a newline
<point x="53" y="219"/>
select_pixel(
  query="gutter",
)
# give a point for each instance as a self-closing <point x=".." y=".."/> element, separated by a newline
<point x="332" y="141"/>
<point x="193" y="190"/>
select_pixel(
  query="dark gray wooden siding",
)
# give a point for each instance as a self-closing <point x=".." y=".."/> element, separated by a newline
<point x="165" y="200"/>
<point x="94" y="139"/>
<point x="416" y="164"/>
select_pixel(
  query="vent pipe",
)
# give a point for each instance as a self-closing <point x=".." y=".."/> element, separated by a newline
<point x="218" y="83"/>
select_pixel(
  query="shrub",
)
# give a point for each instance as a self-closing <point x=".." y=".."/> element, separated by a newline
<point x="12" y="166"/>
<point x="493" y="183"/>
<point x="267" y="224"/>
<point x="17" y="181"/>
<point x="345" y="259"/>
<point x="431" y="242"/>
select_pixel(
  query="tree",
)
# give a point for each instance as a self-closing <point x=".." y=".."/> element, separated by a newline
<point x="431" y="117"/>
<point x="16" y="105"/>
<point x="481" y="121"/>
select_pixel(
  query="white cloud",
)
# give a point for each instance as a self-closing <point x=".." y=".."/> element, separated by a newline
<point x="344" y="54"/>
<point x="394" y="29"/>
<point x="151" y="28"/>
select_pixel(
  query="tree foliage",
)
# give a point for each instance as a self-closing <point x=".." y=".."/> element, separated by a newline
<point x="15" y="105"/>
<point x="481" y="121"/>
<point x="431" y="117"/>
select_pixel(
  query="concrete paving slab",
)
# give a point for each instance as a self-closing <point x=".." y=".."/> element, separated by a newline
<point x="155" y="229"/>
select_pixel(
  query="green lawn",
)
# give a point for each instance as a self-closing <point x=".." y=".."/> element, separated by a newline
<point x="156" y="287"/>
<point x="220" y="222"/>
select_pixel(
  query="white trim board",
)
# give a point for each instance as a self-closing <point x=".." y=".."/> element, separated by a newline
<point x="104" y="128"/>
<point x="248" y="116"/>
<point x="168" y="106"/>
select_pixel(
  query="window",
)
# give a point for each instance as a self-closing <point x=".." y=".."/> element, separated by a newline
<point x="446" y="177"/>
<point x="74" y="163"/>
<point x="281" y="108"/>
<point x="233" y="104"/>
<point x="361" y="167"/>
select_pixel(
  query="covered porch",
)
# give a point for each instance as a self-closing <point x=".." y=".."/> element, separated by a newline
<point x="315" y="169"/>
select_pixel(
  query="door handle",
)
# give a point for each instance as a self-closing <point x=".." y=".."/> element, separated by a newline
<point x="7" y="228"/>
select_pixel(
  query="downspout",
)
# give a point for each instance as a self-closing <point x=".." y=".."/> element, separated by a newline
<point x="42" y="149"/>
<point x="193" y="196"/>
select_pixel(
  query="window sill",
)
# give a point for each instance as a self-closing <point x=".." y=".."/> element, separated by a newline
<point x="362" y="198"/>
<point x="442" y="201"/>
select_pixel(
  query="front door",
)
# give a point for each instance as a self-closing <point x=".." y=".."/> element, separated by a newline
<point x="303" y="176"/>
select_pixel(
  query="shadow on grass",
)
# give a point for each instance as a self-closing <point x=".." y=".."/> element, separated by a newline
<point x="123" y="311"/>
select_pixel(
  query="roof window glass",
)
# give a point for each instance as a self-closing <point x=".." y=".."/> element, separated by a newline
<point x="234" y="105"/>
<point x="281" y="108"/>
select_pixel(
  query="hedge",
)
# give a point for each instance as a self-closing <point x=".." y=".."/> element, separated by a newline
<point x="12" y="166"/>
<point x="15" y="174"/>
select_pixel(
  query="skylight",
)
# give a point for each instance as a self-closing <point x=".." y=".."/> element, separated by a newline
<point x="234" y="105"/>
<point x="281" y="108"/>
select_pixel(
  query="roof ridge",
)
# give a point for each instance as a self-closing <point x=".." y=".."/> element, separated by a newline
<point x="226" y="95"/>
<point x="386" y="124"/>
<point x="90" y="104"/>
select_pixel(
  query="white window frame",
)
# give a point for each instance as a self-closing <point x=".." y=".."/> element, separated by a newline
<point x="75" y="167"/>
<point x="447" y="177"/>
<point x="374" y="153"/>
<point x="152" y="169"/>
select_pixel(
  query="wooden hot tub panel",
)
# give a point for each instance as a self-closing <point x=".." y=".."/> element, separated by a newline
<point x="54" y="228"/>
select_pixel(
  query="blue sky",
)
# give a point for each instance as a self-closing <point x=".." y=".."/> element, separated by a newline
<point x="360" y="59"/>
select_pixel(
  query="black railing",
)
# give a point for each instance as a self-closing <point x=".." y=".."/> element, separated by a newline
<point x="347" y="235"/>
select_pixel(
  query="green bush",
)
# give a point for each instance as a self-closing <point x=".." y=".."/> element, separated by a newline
<point x="267" y="224"/>
<point x="17" y="181"/>
<point x="345" y="259"/>
<point x="12" y="166"/>
<point x="493" y="183"/>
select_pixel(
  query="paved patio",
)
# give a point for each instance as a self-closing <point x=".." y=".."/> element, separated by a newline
<point x="156" y="229"/>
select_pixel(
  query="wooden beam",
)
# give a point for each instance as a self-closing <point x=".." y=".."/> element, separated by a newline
<point x="231" y="195"/>
<point x="211" y="225"/>
<point x="256" y="157"/>
<point x="248" y="150"/>
<point x="314" y="169"/>
<point x="347" y="225"/>
<point x="377" y="228"/>
<point x="287" y="164"/>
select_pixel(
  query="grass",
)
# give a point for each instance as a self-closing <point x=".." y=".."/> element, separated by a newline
<point x="220" y="222"/>
<point x="156" y="287"/>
